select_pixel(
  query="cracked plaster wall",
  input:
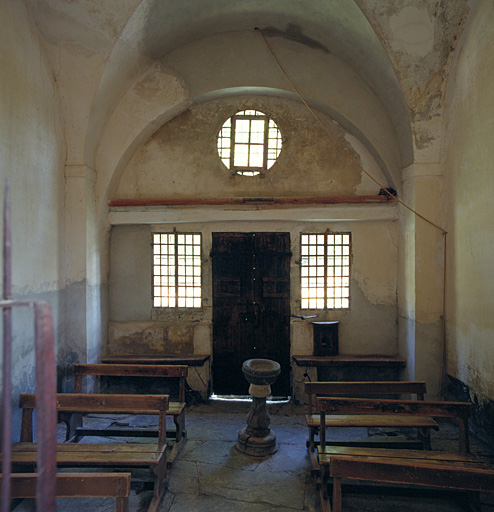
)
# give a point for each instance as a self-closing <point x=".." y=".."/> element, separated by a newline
<point x="470" y="194"/>
<point x="181" y="158"/>
<point x="31" y="157"/>
<point x="369" y="327"/>
<point x="185" y="147"/>
<point x="420" y="37"/>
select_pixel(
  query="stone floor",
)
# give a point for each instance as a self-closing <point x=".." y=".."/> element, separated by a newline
<point x="211" y="475"/>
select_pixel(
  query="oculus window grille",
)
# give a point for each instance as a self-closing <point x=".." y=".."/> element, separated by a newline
<point x="177" y="270"/>
<point x="249" y="143"/>
<point x="325" y="271"/>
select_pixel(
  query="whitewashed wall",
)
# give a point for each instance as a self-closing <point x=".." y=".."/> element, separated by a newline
<point x="468" y="167"/>
<point x="31" y="156"/>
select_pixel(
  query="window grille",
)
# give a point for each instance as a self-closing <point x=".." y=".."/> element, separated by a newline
<point x="177" y="270"/>
<point x="249" y="142"/>
<point x="325" y="270"/>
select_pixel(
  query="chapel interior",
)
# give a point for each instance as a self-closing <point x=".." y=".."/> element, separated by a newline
<point x="112" y="140"/>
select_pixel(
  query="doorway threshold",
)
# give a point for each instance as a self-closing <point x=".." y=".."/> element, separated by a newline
<point x="248" y="398"/>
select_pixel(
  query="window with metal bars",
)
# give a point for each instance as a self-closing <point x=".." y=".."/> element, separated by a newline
<point x="177" y="270"/>
<point x="249" y="143"/>
<point x="325" y="270"/>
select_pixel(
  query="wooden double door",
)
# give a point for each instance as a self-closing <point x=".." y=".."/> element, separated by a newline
<point x="251" y="307"/>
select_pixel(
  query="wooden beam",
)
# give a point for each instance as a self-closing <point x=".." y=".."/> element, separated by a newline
<point x="250" y="201"/>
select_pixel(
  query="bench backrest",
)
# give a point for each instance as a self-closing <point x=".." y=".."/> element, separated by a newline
<point x="23" y="485"/>
<point x="132" y="370"/>
<point x="97" y="404"/>
<point x="416" y="472"/>
<point x="315" y="389"/>
<point x="348" y="406"/>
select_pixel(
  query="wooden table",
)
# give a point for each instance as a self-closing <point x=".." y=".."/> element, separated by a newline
<point x="349" y="360"/>
<point x="186" y="359"/>
<point x="353" y="367"/>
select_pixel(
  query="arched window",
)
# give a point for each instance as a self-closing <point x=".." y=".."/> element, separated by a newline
<point x="249" y="143"/>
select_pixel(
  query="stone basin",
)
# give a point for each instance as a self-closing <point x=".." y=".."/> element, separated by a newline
<point x="261" y="372"/>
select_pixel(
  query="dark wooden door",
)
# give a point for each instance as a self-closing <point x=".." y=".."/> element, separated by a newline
<point x="251" y="307"/>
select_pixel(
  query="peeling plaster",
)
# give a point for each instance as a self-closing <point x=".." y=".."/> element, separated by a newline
<point x="420" y="37"/>
<point x="369" y="327"/>
<point x="150" y="338"/>
<point x="186" y="147"/>
<point x="413" y="31"/>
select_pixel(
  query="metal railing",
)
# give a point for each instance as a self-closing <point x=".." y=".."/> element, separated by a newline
<point x="45" y="384"/>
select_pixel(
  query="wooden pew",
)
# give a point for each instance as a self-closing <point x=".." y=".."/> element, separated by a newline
<point x="334" y="407"/>
<point x="77" y="485"/>
<point x="386" y="388"/>
<point x="446" y="474"/>
<point x="175" y="409"/>
<point x="150" y="456"/>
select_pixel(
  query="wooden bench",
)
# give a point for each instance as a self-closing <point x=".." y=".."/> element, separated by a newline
<point x="382" y="388"/>
<point x="445" y="474"/>
<point x="150" y="456"/>
<point x="175" y="409"/>
<point x="329" y="407"/>
<point x="77" y="485"/>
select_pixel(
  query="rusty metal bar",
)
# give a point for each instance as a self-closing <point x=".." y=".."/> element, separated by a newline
<point x="46" y="416"/>
<point x="7" y="356"/>
<point x="45" y="385"/>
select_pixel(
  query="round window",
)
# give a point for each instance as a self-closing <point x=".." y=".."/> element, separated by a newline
<point x="249" y="143"/>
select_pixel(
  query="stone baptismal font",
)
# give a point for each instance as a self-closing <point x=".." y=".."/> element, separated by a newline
<point x="257" y="439"/>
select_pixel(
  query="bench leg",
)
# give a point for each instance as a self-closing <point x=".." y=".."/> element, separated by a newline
<point x="122" y="505"/>
<point x="313" y="431"/>
<point x="179" y="426"/>
<point x="323" y="489"/>
<point x="323" y="472"/>
<point x="175" y="452"/>
<point x="160" y="477"/>
<point x="180" y="438"/>
<point x="72" y="421"/>
<point x="336" y="494"/>
<point x="424" y="435"/>
<point x="311" y="445"/>
<point x="314" y="464"/>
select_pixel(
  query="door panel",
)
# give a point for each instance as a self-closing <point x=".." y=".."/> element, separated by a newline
<point x="251" y="307"/>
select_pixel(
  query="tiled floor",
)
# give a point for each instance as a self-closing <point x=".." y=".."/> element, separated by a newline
<point x="211" y="475"/>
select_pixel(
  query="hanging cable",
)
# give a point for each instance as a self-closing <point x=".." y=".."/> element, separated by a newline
<point x="391" y="196"/>
<point x="337" y="142"/>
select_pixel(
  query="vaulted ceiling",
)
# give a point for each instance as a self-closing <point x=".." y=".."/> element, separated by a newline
<point x="399" y="53"/>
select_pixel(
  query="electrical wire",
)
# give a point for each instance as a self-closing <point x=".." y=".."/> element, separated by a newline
<point x="337" y="142"/>
<point x="391" y="196"/>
